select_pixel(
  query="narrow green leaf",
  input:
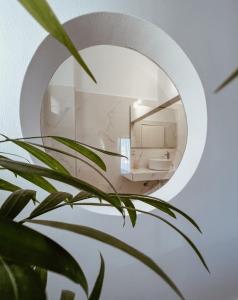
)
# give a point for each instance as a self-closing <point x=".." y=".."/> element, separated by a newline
<point x="43" y="275"/>
<point x="7" y="186"/>
<point x="103" y="151"/>
<point x="78" y="158"/>
<point x="42" y="156"/>
<point x="15" y="155"/>
<point x="16" y="202"/>
<point x="195" y="249"/>
<point x="161" y="219"/>
<point x="23" y="245"/>
<point x="182" y="213"/>
<point x="83" y="144"/>
<point x="81" y="196"/>
<point x="152" y="201"/>
<point x="51" y="201"/>
<point x="67" y="295"/>
<point x="174" y="208"/>
<point x="37" y="180"/>
<point x="96" y="292"/>
<point x="233" y="76"/>
<point x="131" y="210"/>
<point x="8" y="283"/>
<point x="188" y="240"/>
<point x="28" y="169"/>
<point x="186" y="216"/>
<point x="86" y="145"/>
<point x="44" y="15"/>
<point x="19" y="282"/>
<point x="31" y="177"/>
<point x="82" y="150"/>
<point x="7" y="158"/>
<point x="110" y="240"/>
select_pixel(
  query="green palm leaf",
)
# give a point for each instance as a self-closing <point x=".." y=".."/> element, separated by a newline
<point x="157" y="203"/>
<point x="42" y="156"/>
<point x="44" y="15"/>
<point x="36" y="180"/>
<point x="195" y="249"/>
<point x="82" y="150"/>
<point x="23" y="245"/>
<point x="43" y="275"/>
<point x="31" y="177"/>
<point x="110" y="240"/>
<point x="76" y="157"/>
<point x="96" y="292"/>
<point x="7" y="186"/>
<point x="50" y="202"/>
<point x="81" y="196"/>
<point x="154" y="202"/>
<point x="131" y="210"/>
<point x="233" y="76"/>
<point x="19" y="282"/>
<point x="16" y="202"/>
<point x="78" y="142"/>
<point x="28" y="169"/>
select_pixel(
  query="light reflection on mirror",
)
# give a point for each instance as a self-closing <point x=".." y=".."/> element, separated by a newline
<point x="134" y="109"/>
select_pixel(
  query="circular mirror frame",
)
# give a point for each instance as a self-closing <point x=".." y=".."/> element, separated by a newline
<point x="106" y="28"/>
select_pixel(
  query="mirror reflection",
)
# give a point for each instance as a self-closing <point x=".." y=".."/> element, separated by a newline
<point x="134" y="109"/>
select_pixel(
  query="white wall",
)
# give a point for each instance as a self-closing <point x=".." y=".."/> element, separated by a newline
<point x="165" y="115"/>
<point x="182" y="132"/>
<point x="207" y="31"/>
<point x="64" y="75"/>
<point x="133" y="75"/>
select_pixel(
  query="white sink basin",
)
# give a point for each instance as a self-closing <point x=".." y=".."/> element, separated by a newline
<point x="160" y="164"/>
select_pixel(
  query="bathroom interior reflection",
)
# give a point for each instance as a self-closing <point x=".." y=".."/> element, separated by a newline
<point x="134" y="109"/>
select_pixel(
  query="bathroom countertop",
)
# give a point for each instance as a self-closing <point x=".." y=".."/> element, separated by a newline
<point x="144" y="174"/>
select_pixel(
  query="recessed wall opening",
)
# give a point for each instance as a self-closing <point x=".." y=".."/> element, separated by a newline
<point x="127" y="32"/>
<point x="134" y="110"/>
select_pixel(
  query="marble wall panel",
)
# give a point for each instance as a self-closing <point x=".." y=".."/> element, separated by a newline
<point x="101" y="120"/>
<point x="58" y="118"/>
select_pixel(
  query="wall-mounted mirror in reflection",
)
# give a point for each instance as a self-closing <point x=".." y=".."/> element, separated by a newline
<point x="134" y="109"/>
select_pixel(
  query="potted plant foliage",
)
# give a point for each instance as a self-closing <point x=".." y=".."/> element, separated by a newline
<point x="26" y="255"/>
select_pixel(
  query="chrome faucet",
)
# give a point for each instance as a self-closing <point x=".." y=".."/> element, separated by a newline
<point x="167" y="155"/>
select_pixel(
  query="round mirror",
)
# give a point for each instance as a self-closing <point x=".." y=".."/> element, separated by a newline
<point x="134" y="110"/>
